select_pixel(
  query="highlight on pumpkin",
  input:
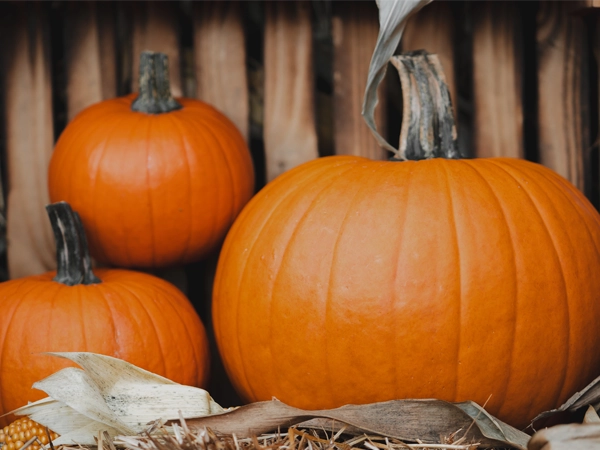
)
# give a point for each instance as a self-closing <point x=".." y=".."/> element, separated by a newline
<point x="23" y="432"/>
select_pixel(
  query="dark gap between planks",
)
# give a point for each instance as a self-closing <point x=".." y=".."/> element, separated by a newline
<point x="529" y="73"/>
<point x="463" y="75"/>
<point x="58" y="70"/>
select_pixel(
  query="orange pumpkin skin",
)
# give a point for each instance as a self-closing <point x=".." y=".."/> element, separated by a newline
<point x="152" y="190"/>
<point x="130" y="315"/>
<point x="347" y="280"/>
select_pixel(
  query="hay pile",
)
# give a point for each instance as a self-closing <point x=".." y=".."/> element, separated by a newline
<point x="295" y="438"/>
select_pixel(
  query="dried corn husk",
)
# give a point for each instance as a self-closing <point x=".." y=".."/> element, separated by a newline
<point x="110" y="397"/>
<point x="109" y="394"/>
<point x="393" y="16"/>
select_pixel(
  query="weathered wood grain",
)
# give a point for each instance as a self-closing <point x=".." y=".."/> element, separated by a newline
<point x="90" y="55"/>
<point x="220" y="59"/>
<point x="355" y="27"/>
<point x="29" y="143"/>
<point x="155" y="29"/>
<point x="432" y="29"/>
<point x="498" y="123"/>
<point x="562" y="90"/>
<point x="290" y="136"/>
<point x="590" y="3"/>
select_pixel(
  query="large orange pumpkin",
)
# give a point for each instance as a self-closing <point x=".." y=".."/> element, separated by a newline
<point x="348" y="280"/>
<point x="156" y="181"/>
<point x="130" y="315"/>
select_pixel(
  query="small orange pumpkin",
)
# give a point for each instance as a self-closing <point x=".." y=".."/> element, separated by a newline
<point x="157" y="181"/>
<point x="347" y="280"/>
<point x="130" y="315"/>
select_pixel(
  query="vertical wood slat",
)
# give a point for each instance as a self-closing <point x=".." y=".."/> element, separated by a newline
<point x="290" y="136"/>
<point x="220" y="59"/>
<point x="90" y="55"/>
<point x="30" y="135"/>
<point x="155" y="29"/>
<point x="498" y="124"/>
<point x="432" y="29"/>
<point x="355" y="27"/>
<point x="562" y="90"/>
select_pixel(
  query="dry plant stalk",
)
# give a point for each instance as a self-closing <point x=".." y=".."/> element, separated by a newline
<point x="181" y="437"/>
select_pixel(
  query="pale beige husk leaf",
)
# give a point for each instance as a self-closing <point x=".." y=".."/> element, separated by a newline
<point x="113" y="395"/>
<point x="393" y="16"/>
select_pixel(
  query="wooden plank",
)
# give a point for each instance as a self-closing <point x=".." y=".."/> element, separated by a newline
<point x="29" y="143"/>
<point x="290" y="136"/>
<point x="589" y="4"/>
<point x="562" y="90"/>
<point x="498" y="123"/>
<point x="220" y="60"/>
<point x="155" y="29"/>
<point x="355" y="26"/>
<point x="90" y="55"/>
<point x="432" y="29"/>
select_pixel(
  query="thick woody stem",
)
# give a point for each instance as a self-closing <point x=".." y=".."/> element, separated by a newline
<point x="155" y="90"/>
<point x="428" y="129"/>
<point x="72" y="254"/>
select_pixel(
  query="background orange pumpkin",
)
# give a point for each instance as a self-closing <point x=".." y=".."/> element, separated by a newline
<point x="157" y="182"/>
<point x="347" y="280"/>
<point x="130" y="315"/>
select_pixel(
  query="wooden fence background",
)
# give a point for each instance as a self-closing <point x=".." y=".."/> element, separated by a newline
<point x="291" y="74"/>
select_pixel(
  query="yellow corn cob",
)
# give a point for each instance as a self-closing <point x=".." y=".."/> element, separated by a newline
<point x="15" y="435"/>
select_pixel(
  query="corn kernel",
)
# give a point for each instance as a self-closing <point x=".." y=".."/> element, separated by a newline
<point x="15" y="434"/>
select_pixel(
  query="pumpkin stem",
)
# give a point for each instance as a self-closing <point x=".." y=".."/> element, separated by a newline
<point x="155" y="89"/>
<point x="72" y="255"/>
<point x="428" y="129"/>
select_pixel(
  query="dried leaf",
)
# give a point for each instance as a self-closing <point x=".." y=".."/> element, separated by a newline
<point x="113" y="395"/>
<point x="591" y="416"/>
<point x="567" y="437"/>
<point x="407" y="420"/>
<point x="121" y="384"/>
<point x="56" y="416"/>
<point x="590" y="395"/>
<point x="393" y="16"/>
<point x="81" y="436"/>
<point x="76" y="389"/>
